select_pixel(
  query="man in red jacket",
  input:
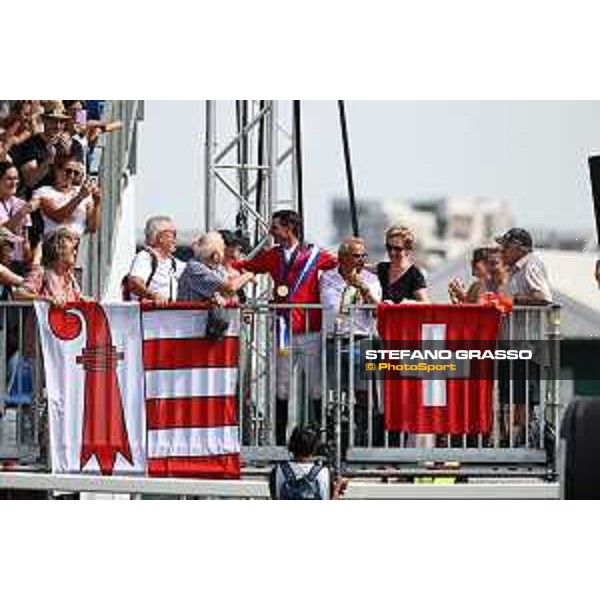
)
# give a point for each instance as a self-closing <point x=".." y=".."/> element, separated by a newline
<point x="294" y="268"/>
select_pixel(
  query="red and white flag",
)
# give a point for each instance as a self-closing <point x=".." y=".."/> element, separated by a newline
<point x="140" y="390"/>
<point x="455" y="403"/>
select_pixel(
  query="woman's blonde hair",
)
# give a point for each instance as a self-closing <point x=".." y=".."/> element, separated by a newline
<point x="404" y="233"/>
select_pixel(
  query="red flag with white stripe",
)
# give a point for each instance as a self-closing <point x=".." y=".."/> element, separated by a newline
<point x="140" y="390"/>
<point x="190" y="390"/>
<point x="454" y="404"/>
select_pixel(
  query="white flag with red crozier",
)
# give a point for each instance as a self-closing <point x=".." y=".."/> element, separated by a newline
<point x="136" y="389"/>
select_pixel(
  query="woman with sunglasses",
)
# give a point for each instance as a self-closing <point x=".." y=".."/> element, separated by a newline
<point x="67" y="204"/>
<point x="400" y="279"/>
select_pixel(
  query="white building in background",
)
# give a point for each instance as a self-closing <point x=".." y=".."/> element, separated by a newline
<point x="444" y="227"/>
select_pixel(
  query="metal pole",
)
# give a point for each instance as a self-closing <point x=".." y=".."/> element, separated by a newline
<point x="338" y="403"/>
<point x="241" y="219"/>
<point x="298" y="155"/>
<point x="260" y="174"/>
<point x="348" y="164"/>
<point x="554" y="336"/>
<point x="209" y="179"/>
<point x="272" y="157"/>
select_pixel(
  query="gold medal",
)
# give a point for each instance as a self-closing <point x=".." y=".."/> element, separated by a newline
<point x="282" y="291"/>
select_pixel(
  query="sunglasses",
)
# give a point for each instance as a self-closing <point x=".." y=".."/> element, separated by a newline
<point x="72" y="172"/>
<point x="392" y="248"/>
<point x="362" y="255"/>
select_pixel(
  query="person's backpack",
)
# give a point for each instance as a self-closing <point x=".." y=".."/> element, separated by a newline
<point x="305" y="487"/>
<point x="125" y="289"/>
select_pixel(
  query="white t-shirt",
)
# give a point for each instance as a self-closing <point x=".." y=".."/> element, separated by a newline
<point x="337" y="296"/>
<point x="165" y="278"/>
<point x="303" y="468"/>
<point x="76" y="222"/>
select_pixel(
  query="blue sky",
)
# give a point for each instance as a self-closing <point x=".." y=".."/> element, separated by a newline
<point x="532" y="154"/>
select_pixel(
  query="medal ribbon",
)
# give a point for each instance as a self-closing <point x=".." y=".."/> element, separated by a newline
<point x="283" y="334"/>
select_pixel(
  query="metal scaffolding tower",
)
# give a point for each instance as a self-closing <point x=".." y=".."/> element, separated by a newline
<point x="251" y="159"/>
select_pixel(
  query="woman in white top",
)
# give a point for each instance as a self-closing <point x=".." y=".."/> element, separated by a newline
<point x="66" y="204"/>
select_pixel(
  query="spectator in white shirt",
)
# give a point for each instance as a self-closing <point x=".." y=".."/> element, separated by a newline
<point x="349" y="285"/>
<point x="155" y="272"/>
<point x="528" y="285"/>
<point x="343" y="291"/>
<point x="528" y="281"/>
<point x="66" y="204"/>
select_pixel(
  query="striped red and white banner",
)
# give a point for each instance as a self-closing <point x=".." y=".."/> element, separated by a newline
<point x="177" y="411"/>
<point x="190" y="391"/>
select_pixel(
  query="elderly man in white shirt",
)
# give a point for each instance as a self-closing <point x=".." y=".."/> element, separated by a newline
<point x="529" y="286"/>
<point x="343" y="291"/>
<point x="348" y="286"/>
<point x="528" y="281"/>
<point x="155" y="271"/>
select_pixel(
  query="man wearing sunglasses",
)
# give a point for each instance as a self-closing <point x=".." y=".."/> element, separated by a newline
<point x="343" y="291"/>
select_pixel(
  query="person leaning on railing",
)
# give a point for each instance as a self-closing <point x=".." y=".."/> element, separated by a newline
<point x="527" y="281"/>
<point x="205" y="276"/>
<point x="52" y="275"/>
<point x="401" y="281"/>
<point x="51" y="278"/>
<point x="155" y="271"/>
<point x="294" y="267"/>
<point x="527" y="285"/>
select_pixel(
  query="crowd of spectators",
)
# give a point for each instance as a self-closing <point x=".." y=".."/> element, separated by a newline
<point x="50" y="198"/>
<point x="49" y="192"/>
<point x="302" y="274"/>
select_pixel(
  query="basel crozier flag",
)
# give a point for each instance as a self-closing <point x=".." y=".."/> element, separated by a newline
<point x="460" y="404"/>
<point x="135" y="389"/>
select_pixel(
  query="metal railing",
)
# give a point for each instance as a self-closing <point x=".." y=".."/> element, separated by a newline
<point x="326" y="391"/>
<point x="138" y="487"/>
<point x="313" y="379"/>
<point x="23" y="416"/>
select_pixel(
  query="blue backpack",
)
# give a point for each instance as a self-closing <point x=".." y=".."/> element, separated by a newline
<point x="305" y="487"/>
